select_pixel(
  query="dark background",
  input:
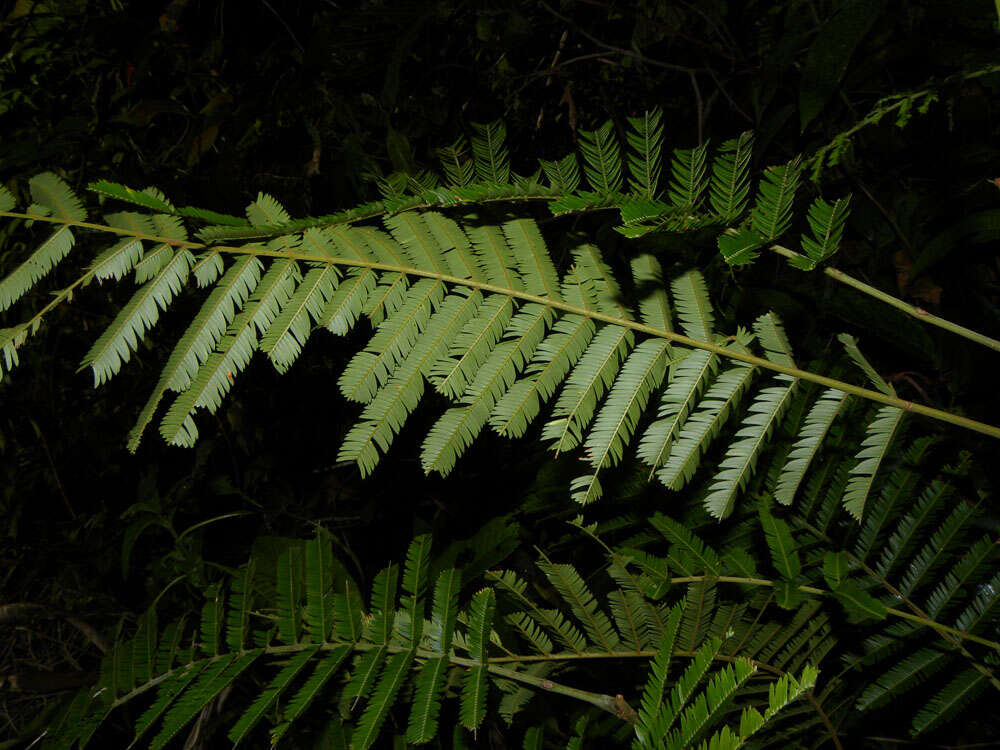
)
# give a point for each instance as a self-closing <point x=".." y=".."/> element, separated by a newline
<point x="310" y="101"/>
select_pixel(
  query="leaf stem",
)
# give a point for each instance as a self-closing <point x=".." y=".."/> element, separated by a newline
<point x="724" y="351"/>
<point x="913" y="310"/>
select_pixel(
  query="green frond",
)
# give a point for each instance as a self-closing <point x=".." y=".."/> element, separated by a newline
<point x="165" y="697"/>
<point x="659" y="672"/>
<point x="913" y="525"/>
<point x="781" y="545"/>
<point x="266" y="211"/>
<point x="323" y="672"/>
<point x="640" y="375"/>
<point x="208" y="268"/>
<point x="533" y="260"/>
<point x="462" y="260"/>
<point x="699" y="605"/>
<point x="319" y="588"/>
<point x="860" y="605"/>
<point x="20" y="281"/>
<point x="232" y="353"/>
<point x="593" y="375"/>
<point x="152" y="262"/>
<point x="707" y="559"/>
<point x="392" y="343"/>
<point x="271" y="693"/>
<point x="946" y="536"/>
<point x="472" y="708"/>
<point x="771" y="335"/>
<point x="563" y="174"/>
<point x="708" y="705"/>
<point x="7" y="200"/>
<point x="899" y="487"/>
<point x="688" y="379"/>
<point x="880" y="434"/>
<point x="212" y="619"/>
<point x="348" y="611"/>
<point x="730" y="185"/>
<point x="418" y="558"/>
<point x="410" y="229"/>
<point x="204" y="689"/>
<point x="200" y="338"/>
<point x="423" y="722"/>
<point x="688" y="177"/>
<point x="556" y="354"/>
<point x="149" y="198"/>
<point x="950" y="700"/>
<point x="982" y="609"/>
<point x="591" y="270"/>
<point x="581" y="601"/>
<point x="818" y="422"/>
<point x="965" y="570"/>
<point x="772" y="212"/>
<point x="645" y="141"/>
<point x="697" y="432"/>
<point x="390" y="293"/>
<point x="451" y="374"/>
<point x="489" y="151"/>
<point x="551" y="619"/>
<point x="826" y="223"/>
<point x="457" y="166"/>
<point x="459" y="426"/>
<point x="396" y="669"/>
<point x="693" y="305"/>
<point x="909" y="672"/>
<point x="490" y="245"/>
<point x="383" y="604"/>
<point x="384" y="415"/>
<point x="287" y="335"/>
<point x="115" y="346"/>
<point x="345" y="306"/>
<point x="763" y="416"/>
<point x="240" y="603"/>
<point x="116" y="261"/>
<point x="654" y="305"/>
<point x="851" y="347"/>
<point x="602" y="158"/>
<point x="363" y="676"/>
<point x="49" y="191"/>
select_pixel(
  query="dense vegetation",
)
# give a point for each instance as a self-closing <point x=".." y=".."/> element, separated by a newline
<point x="658" y="410"/>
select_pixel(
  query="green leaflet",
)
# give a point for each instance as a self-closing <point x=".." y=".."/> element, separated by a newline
<point x="602" y="158"/>
<point x="574" y="591"/>
<point x="688" y="178"/>
<point x="49" y="191"/>
<point x="395" y="671"/>
<point x="38" y="264"/>
<point x="269" y="696"/>
<point x="730" y="185"/>
<point x="489" y="151"/>
<point x="821" y="417"/>
<point x="458" y="427"/>
<point x="232" y="353"/>
<point x="208" y="685"/>
<point x="881" y="432"/>
<point x="115" y="346"/>
<point x="287" y="335"/>
<point x="383" y="417"/>
<point x="590" y="379"/>
<point x="198" y="341"/>
<point x="472" y="709"/>
<point x="645" y="141"/>
<point x="325" y="669"/>
<point x="641" y="373"/>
